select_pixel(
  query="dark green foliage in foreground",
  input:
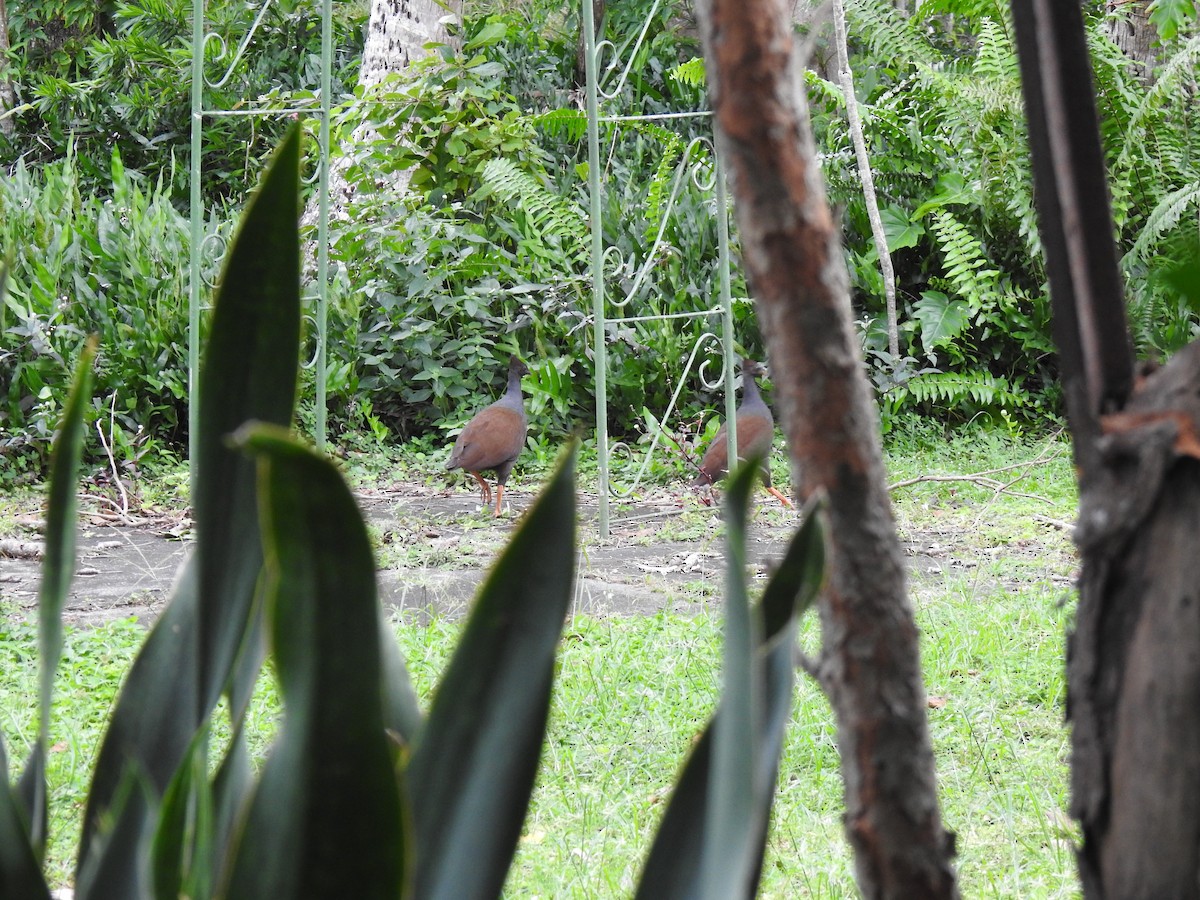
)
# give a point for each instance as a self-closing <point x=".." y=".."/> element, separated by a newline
<point x="361" y="795"/>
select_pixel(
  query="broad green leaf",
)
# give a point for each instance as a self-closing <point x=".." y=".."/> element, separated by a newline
<point x="942" y="318"/>
<point x="57" y="568"/>
<point x="676" y="864"/>
<point x="900" y="230"/>
<point x="473" y="766"/>
<point x="952" y="190"/>
<point x="249" y="373"/>
<point x="491" y="33"/>
<point x="231" y="788"/>
<point x="1168" y="16"/>
<point x="326" y="820"/>
<point x="1185" y="278"/>
<point x="20" y="875"/>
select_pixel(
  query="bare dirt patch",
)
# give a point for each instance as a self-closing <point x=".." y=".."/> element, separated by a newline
<point x="434" y="547"/>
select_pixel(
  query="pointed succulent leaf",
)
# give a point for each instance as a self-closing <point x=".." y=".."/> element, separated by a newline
<point x="154" y="719"/>
<point x="326" y="820"/>
<point x="20" y="874"/>
<point x="473" y="766"/>
<point x="249" y="373"/>
<point x="676" y="865"/>
<point x="118" y="868"/>
<point x="181" y="844"/>
<point x="728" y="825"/>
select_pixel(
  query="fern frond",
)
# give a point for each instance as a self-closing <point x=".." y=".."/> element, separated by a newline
<point x="550" y="218"/>
<point x="660" y="187"/>
<point x="966" y="264"/>
<point x="563" y="123"/>
<point x="995" y="57"/>
<point x="951" y="389"/>
<point x="1161" y="221"/>
<point x="691" y="72"/>
<point x="888" y="34"/>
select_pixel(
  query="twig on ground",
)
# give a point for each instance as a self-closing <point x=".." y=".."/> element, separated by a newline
<point x="997" y="487"/>
<point x="112" y="425"/>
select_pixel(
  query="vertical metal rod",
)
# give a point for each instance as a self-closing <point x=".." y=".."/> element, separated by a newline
<point x="197" y="238"/>
<point x="599" y="348"/>
<point x="322" y="316"/>
<point x="727" y="337"/>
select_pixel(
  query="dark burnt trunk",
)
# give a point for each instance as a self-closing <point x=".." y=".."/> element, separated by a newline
<point x="870" y="663"/>
<point x="1133" y="662"/>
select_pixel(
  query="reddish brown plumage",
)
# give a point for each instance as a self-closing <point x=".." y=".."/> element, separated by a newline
<point x="755" y="433"/>
<point x="493" y="440"/>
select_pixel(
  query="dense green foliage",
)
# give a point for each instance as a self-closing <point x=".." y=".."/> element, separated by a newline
<point x="487" y="253"/>
<point x="116" y="75"/>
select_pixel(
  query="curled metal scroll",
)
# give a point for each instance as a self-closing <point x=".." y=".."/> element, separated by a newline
<point x="624" y="449"/>
<point x="312" y="331"/>
<point x="616" y="60"/>
<point x="212" y="253"/>
<point x="224" y="48"/>
<point x="703" y="176"/>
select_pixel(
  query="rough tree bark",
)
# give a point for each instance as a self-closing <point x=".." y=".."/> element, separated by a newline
<point x="8" y="97"/>
<point x="396" y="34"/>
<point x="579" y="76"/>
<point x="1133" y="659"/>
<point x="1129" y="28"/>
<point x="870" y="662"/>
<point x="846" y="78"/>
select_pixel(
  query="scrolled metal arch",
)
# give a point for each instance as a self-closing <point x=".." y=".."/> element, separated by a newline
<point x="633" y="51"/>
<point x="241" y="50"/>
<point x="311" y="321"/>
<point x="213" y="247"/>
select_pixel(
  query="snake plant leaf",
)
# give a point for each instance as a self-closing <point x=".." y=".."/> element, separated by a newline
<point x="677" y="864"/>
<point x="57" y="568"/>
<point x="153" y="722"/>
<point x="473" y="766"/>
<point x="401" y="713"/>
<point x="249" y="373"/>
<point x="118" y="868"/>
<point x="728" y="855"/>
<point x="181" y="848"/>
<point x="20" y="874"/>
<point x="326" y="819"/>
<point x="231" y="787"/>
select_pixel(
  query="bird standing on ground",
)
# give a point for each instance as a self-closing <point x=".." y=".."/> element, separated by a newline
<point x="494" y="438"/>
<point x="755" y="432"/>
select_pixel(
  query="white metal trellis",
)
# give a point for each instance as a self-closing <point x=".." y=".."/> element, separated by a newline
<point x="200" y="247"/>
<point x="596" y="92"/>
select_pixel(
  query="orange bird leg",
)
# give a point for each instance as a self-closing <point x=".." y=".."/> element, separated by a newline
<point x="485" y="489"/>
<point x="782" y="499"/>
<point x="499" y="498"/>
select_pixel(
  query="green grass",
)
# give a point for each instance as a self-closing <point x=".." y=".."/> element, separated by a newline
<point x="633" y="693"/>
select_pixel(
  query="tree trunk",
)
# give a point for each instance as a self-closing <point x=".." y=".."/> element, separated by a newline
<point x="1131" y="31"/>
<point x="846" y="78"/>
<point x="8" y="97"/>
<point x="579" y="77"/>
<point x="396" y="35"/>
<point x="1133" y="659"/>
<point x="870" y="663"/>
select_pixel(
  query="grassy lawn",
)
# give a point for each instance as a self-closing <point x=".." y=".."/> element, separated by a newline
<point x="993" y="600"/>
